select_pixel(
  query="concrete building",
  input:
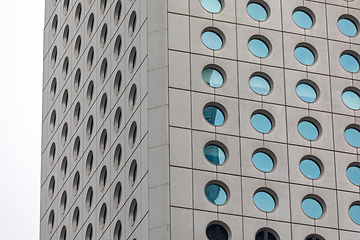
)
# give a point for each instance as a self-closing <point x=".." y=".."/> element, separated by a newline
<point x="206" y="119"/>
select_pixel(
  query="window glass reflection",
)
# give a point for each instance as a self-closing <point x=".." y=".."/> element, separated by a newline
<point x="306" y="92"/>
<point x="257" y="11"/>
<point x="302" y="19"/>
<point x="310" y="168"/>
<point x="213" y="6"/>
<point x="261" y="123"/>
<point x="349" y="63"/>
<point x="214" y="154"/>
<point x="347" y="27"/>
<point x="213" y="77"/>
<point x="353" y="173"/>
<point x="260" y="85"/>
<point x="304" y="55"/>
<point x="351" y="99"/>
<point x="258" y="47"/>
<point x="214" y="115"/>
<point x="216" y="194"/>
<point x="263" y="161"/>
<point x="312" y="208"/>
<point x="308" y="130"/>
<point x="352" y="136"/>
<point x="212" y="40"/>
<point x="264" y="201"/>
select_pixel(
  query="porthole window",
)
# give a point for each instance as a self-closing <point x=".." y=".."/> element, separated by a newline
<point x="260" y="83"/>
<point x="117" y="12"/>
<point x="213" y="76"/>
<point x="89" y="232"/>
<point x="117" y="119"/>
<point x="66" y="7"/>
<point x="262" y="121"/>
<point x="132" y="172"/>
<point x="54" y="25"/>
<point x="305" y="54"/>
<point x="103" y="70"/>
<point x="117" y="82"/>
<point x="132" y="23"/>
<point x="90" y="92"/>
<point x="354" y="213"/>
<point x="76" y="183"/>
<point x="77" y="80"/>
<point x="353" y="173"/>
<point x="212" y="39"/>
<point x="64" y="101"/>
<point x="89" y="199"/>
<point x="132" y="59"/>
<point x="117" y="230"/>
<point x="259" y="46"/>
<point x="264" y="200"/>
<point x="351" y="98"/>
<point x="90" y="58"/>
<point x="103" y="5"/>
<point x="63" y="233"/>
<point x="214" y="153"/>
<point x="132" y="134"/>
<point x="77" y="113"/>
<point x="306" y="91"/>
<point x="78" y="14"/>
<point x="51" y="187"/>
<point x="51" y="221"/>
<point x="132" y="96"/>
<point x="303" y="17"/>
<point x="52" y="153"/>
<point x="53" y="57"/>
<point x="213" y="6"/>
<point x="258" y="10"/>
<point x="63" y="202"/>
<point x="117" y="194"/>
<point x="264" y="160"/>
<point x="103" y="35"/>
<point x="77" y="46"/>
<point x="314" y="237"/>
<point x="217" y="231"/>
<point x="311" y="167"/>
<point x="53" y="88"/>
<point x="216" y="193"/>
<point x="89" y="127"/>
<point x="117" y="47"/>
<point x="352" y="135"/>
<point x="266" y="234"/>
<point x="349" y="61"/>
<point x="312" y="207"/>
<point x="65" y="68"/>
<point x="52" y="120"/>
<point x="117" y="156"/>
<point x="103" y="105"/>
<point x="76" y="218"/>
<point x="76" y="149"/>
<point x="103" y="215"/>
<point x="90" y="25"/>
<point x="64" y="165"/>
<point x="103" y="141"/>
<point x="66" y="35"/>
<point x="309" y="129"/>
<point x="348" y="25"/>
<point x="133" y="212"/>
<point x="214" y="114"/>
<point x="89" y="162"/>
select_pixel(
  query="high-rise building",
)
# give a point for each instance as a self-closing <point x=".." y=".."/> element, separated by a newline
<point x="201" y="119"/>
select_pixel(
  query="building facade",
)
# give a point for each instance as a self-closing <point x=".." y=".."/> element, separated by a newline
<point x="204" y="119"/>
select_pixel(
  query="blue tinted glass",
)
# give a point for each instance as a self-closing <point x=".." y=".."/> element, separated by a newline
<point x="347" y="27"/>
<point x="257" y="11"/>
<point x="352" y="136"/>
<point x="213" y="6"/>
<point x="306" y="92"/>
<point x="310" y="168"/>
<point x="260" y="85"/>
<point x="349" y="63"/>
<point x="215" y="194"/>
<point x="354" y="212"/>
<point x="261" y="123"/>
<point x="263" y="162"/>
<point x="258" y="47"/>
<point x="213" y="77"/>
<point x="214" y="115"/>
<point x="214" y="154"/>
<point x="351" y="99"/>
<point x="312" y="208"/>
<point x="353" y="173"/>
<point x="302" y="19"/>
<point x="264" y="201"/>
<point x="308" y="130"/>
<point x="212" y="40"/>
<point x="304" y="55"/>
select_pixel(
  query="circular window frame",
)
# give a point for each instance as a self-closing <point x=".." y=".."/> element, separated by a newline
<point x="76" y="183"/>
<point x="318" y="237"/>
<point x="216" y="31"/>
<point x="307" y="11"/>
<point x="103" y="141"/>
<point x="53" y="57"/>
<point x="316" y="124"/>
<point x="76" y="148"/>
<point x="317" y="161"/>
<point x="266" y="77"/>
<point x="63" y="168"/>
<point x="217" y="68"/>
<point x="117" y="83"/>
<point x="132" y="213"/>
<point x="117" y="230"/>
<point x="117" y="12"/>
<point x="266" y="114"/>
<point x="51" y="188"/>
<point x="271" y="193"/>
<point x="353" y="164"/>
<point x="223" y="186"/>
<point x="312" y="50"/>
<point x="264" y="40"/>
<point x="103" y="105"/>
<point x="103" y="215"/>
<point x="77" y="80"/>
<point x="77" y="112"/>
<point x="52" y="121"/>
<point x="52" y="153"/>
<point x="352" y="89"/>
<point x="264" y="5"/>
<point x="132" y="22"/>
<point x="355" y="126"/>
<point x="54" y="25"/>
<point x="270" y="154"/>
<point x="117" y="119"/>
<point x="90" y="24"/>
<point x="117" y="156"/>
<point x="354" y="55"/>
<point x="77" y="47"/>
<point x="90" y="58"/>
<point x="319" y="200"/>
<point x="132" y="59"/>
<point x="222" y="224"/>
<point x="89" y="162"/>
<point x="223" y="148"/>
<point x="78" y="14"/>
<point x="66" y="34"/>
<point x="222" y="3"/>
<point x="132" y="96"/>
<point x="51" y="221"/>
<point x="117" y="194"/>
<point x="132" y="134"/>
<point x="272" y="231"/>
<point x="103" y="35"/>
<point x="311" y="84"/>
<point x="352" y="19"/>
<point x="117" y="47"/>
<point x="89" y="198"/>
<point x="65" y="68"/>
<point x="221" y="108"/>
<point x="90" y="92"/>
<point x="103" y="70"/>
<point x="353" y="204"/>
<point x="76" y="218"/>
<point x="133" y="172"/>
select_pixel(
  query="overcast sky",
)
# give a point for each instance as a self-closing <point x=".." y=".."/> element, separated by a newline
<point x="21" y="49"/>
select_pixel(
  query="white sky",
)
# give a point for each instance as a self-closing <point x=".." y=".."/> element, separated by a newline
<point x="21" y="48"/>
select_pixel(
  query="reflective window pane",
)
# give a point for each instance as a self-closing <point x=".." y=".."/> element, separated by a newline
<point x="216" y="194"/>
<point x="310" y="168"/>
<point x="306" y="92"/>
<point x="349" y="63"/>
<point x="304" y="55"/>
<point x="213" y="6"/>
<point x="347" y="27"/>
<point x="302" y="19"/>
<point x="214" y="154"/>
<point x="257" y="11"/>
<point x="260" y="85"/>
<point x="214" y="115"/>
<point x="261" y="123"/>
<point x="212" y="40"/>
<point x="351" y="99"/>
<point x="308" y="130"/>
<point x="263" y="161"/>
<point x="264" y="201"/>
<point x="353" y="173"/>
<point x="258" y="47"/>
<point x="312" y="208"/>
<point x="354" y="212"/>
<point x="352" y="136"/>
<point x="213" y="77"/>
